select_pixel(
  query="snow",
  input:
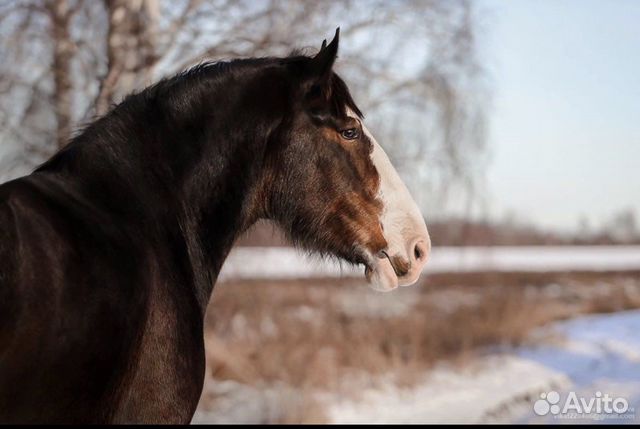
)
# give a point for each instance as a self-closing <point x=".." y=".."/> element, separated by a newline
<point x="599" y="353"/>
<point x="595" y="347"/>
<point x="584" y="355"/>
<point x="447" y="395"/>
<point x="237" y="403"/>
<point x="289" y="263"/>
<point x="536" y="258"/>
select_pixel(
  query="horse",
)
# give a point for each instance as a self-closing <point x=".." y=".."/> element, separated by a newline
<point x="109" y="250"/>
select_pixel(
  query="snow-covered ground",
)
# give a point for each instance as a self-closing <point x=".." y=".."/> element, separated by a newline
<point x="586" y="355"/>
<point x="485" y="390"/>
<point x="286" y="263"/>
<point x="600" y="353"/>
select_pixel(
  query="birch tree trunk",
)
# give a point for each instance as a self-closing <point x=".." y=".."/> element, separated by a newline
<point x="130" y="49"/>
<point x="60" y="16"/>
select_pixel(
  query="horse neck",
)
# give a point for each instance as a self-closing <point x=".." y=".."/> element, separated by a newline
<point x="193" y="175"/>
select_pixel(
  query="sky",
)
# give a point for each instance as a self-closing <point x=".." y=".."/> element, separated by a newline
<point x="565" y="113"/>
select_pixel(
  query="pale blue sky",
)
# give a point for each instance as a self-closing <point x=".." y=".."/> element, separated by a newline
<point x="565" y="121"/>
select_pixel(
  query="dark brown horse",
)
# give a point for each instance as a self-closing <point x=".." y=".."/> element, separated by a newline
<point x="109" y="251"/>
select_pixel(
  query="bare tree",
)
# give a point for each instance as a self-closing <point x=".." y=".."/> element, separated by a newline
<point x="622" y="227"/>
<point x="130" y="46"/>
<point x="411" y="63"/>
<point x="60" y="13"/>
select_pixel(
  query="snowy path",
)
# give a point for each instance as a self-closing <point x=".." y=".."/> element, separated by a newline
<point x="585" y="355"/>
<point x="599" y="353"/>
<point x="482" y="392"/>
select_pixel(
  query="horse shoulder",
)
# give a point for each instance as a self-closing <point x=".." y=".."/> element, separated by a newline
<point x="74" y="305"/>
<point x="95" y="312"/>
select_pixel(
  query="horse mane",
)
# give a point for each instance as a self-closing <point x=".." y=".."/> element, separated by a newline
<point x="339" y="96"/>
<point x="183" y="88"/>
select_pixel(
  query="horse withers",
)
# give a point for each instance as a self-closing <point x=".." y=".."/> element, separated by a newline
<point x="109" y="251"/>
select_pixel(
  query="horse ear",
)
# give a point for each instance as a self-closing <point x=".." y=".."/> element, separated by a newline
<point x="320" y="65"/>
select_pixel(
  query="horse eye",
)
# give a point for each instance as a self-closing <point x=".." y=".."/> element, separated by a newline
<point x="350" y="134"/>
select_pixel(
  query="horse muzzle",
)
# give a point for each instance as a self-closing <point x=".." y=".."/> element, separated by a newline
<point x="389" y="271"/>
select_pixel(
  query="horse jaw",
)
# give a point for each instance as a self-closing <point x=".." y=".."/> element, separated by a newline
<point x="381" y="275"/>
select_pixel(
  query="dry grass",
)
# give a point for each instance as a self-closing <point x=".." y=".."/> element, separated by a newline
<point x="314" y="334"/>
<point x="306" y="333"/>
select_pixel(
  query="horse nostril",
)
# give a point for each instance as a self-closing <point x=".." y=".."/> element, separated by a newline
<point x="420" y="250"/>
<point x="417" y="252"/>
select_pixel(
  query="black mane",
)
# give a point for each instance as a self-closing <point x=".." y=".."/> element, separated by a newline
<point x="218" y="70"/>
<point x="177" y="94"/>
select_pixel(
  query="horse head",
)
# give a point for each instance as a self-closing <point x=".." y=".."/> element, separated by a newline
<point x="332" y="187"/>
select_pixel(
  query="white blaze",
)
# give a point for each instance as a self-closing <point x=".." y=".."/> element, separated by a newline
<point x="401" y="217"/>
<point x="402" y="221"/>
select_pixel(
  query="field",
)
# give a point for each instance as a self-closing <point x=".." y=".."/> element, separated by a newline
<point x="298" y="350"/>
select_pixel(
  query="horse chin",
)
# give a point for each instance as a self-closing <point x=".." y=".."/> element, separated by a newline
<point x="381" y="276"/>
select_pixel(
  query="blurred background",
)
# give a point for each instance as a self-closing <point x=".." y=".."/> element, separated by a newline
<point x="513" y="123"/>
